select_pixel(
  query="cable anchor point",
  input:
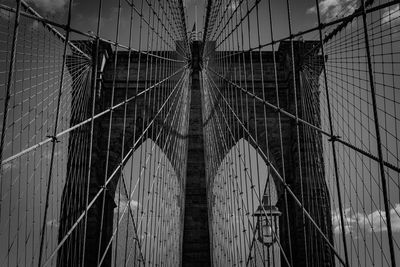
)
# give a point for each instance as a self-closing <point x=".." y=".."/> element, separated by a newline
<point x="334" y="138"/>
<point x="53" y="138"/>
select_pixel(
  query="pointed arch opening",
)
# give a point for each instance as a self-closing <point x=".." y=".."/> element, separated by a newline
<point x="241" y="184"/>
<point x="147" y="214"/>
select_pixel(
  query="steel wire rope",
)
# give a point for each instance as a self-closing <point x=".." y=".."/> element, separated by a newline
<point x="297" y="201"/>
<point x="288" y="188"/>
<point x="53" y="137"/>
<point x="324" y="25"/>
<point x="155" y="13"/>
<point x="153" y="148"/>
<point x="322" y="131"/>
<point x="260" y="202"/>
<point x="111" y="176"/>
<point x="264" y="108"/>
<point x="100" y="114"/>
<point x="247" y="175"/>
<point x="300" y="171"/>
<point x="110" y="118"/>
<point x="225" y="121"/>
<point x="147" y="160"/>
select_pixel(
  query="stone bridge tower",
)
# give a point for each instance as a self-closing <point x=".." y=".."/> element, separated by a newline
<point x="196" y="239"/>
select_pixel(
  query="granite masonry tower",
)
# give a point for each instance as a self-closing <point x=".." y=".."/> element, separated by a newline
<point x="196" y="248"/>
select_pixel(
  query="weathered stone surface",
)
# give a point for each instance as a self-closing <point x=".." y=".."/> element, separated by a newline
<point x="196" y="240"/>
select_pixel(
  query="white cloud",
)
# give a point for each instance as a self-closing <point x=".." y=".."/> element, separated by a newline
<point x="50" y="6"/>
<point x="395" y="217"/>
<point x="391" y="15"/>
<point x="331" y="9"/>
<point x="326" y="5"/>
<point x="123" y="204"/>
<point x="374" y="222"/>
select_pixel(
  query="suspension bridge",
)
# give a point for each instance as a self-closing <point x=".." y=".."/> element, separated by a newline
<point x="269" y="137"/>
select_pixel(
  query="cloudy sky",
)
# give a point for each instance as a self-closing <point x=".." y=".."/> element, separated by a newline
<point x="84" y="16"/>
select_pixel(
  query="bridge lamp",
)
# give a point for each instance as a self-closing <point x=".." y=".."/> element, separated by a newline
<point x="267" y="224"/>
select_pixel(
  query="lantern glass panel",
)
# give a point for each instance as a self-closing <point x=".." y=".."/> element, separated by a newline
<point x="265" y="230"/>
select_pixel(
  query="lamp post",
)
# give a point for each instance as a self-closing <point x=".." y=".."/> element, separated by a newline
<point x="267" y="224"/>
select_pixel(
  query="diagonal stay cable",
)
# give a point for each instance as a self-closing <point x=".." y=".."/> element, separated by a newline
<point x="153" y="147"/>
<point x="104" y="112"/>
<point x="248" y="175"/>
<point x="276" y="172"/>
<point x="308" y="124"/>
<point x="118" y="168"/>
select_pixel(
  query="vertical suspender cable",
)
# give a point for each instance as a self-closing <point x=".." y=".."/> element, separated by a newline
<point x="297" y="127"/>
<point x="378" y="137"/>
<point x="95" y="62"/>
<point x="53" y="137"/>
<point x="332" y="139"/>
<point x="9" y="83"/>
